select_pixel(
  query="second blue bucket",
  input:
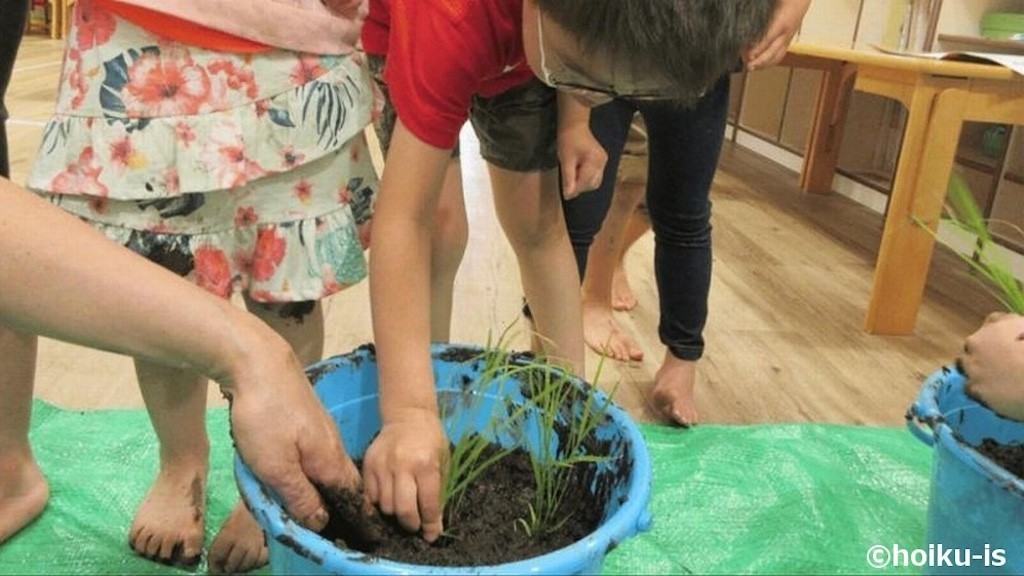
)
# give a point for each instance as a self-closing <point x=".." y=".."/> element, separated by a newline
<point x="976" y="507"/>
<point x="347" y="386"/>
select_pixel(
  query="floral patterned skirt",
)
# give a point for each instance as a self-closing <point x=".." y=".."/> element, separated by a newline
<point x="239" y="171"/>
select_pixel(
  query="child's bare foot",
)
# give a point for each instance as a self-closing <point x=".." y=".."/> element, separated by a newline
<point x="240" y="545"/>
<point x="604" y="335"/>
<point x="168" y="526"/>
<point x="672" y="394"/>
<point x="623" y="298"/>
<point x="23" y="494"/>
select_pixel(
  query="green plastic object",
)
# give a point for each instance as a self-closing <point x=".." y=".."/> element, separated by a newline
<point x="1003" y="26"/>
<point x="993" y="140"/>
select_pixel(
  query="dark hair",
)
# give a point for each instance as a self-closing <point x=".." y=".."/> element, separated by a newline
<point x="687" y="44"/>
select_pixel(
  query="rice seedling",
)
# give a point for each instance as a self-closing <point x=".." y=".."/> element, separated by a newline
<point x="985" y="260"/>
<point x="543" y="409"/>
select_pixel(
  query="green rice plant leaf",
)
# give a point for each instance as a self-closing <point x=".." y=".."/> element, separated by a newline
<point x="553" y="409"/>
<point x="996" y="274"/>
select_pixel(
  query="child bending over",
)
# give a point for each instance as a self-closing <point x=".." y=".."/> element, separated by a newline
<point x="498" y="64"/>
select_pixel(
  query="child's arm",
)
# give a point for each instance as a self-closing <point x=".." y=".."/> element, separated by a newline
<point x="61" y="278"/>
<point x="405" y="465"/>
<point x="580" y="155"/>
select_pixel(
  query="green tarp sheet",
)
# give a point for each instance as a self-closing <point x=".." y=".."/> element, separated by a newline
<point x="766" y="499"/>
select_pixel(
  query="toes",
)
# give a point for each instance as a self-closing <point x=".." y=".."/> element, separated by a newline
<point x="240" y="545"/>
<point x="633" y="349"/>
<point x="172" y="552"/>
<point x="236" y="558"/>
<point x="675" y="409"/>
<point x="222" y="555"/>
<point x="611" y="343"/>
<point x="183" y="556"/>
<point x="623" y="302"/>
<point x="680" y="419"/>
<point x="614" y="350"/>
<point x="139" y="542"/>
<point x="673" y="414"/>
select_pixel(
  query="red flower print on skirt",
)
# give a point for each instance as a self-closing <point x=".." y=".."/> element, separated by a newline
<point x="165" y="83"/>
<point x="213" y="273"/>
<point x="245" y="216"/>
<point x="270" y="249"/>
<point x="82" y="177"/>
<point x="95" y="25"/>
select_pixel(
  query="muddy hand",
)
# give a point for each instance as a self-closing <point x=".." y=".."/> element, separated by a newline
<point x="404" y="470"/>
<point x="287" y="438"/>
<point x="353" y="519"/>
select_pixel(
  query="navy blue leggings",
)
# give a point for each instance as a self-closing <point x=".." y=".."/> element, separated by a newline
<point x="684" y="146"/>
<point x="12" y="23"/>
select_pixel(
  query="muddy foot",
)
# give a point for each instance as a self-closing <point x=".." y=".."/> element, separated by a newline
<point x="168" y="526"/>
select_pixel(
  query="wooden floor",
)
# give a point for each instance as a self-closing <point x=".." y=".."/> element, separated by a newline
<point x="791" y="280"/>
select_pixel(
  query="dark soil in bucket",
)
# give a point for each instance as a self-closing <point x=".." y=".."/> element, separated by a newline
<point x="1008" y="456"/>
<point x="486" y="528"/>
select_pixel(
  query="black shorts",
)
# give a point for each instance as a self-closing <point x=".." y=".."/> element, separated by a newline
<point x="517" y="129"/>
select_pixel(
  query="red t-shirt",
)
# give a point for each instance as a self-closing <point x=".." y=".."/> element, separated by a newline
<point x="440" y="53"/>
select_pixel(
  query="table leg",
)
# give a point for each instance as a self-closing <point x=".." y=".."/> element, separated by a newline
<point x="53" y="8"/>
<point x="918" y="193"/>
<point x="822" y="153"/>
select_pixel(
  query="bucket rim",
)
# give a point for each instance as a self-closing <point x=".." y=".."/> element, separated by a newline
<point x="631" y="517"/>
<point x="926" y="411"/>
<point x="926" y="408"/>
<point x="977" y="461"/>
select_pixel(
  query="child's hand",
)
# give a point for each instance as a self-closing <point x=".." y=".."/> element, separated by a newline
<point x="404" y="470"/>
<point x="993" y="362"/>
<point x="784" y="25"/>
<point x="581" y="156"/>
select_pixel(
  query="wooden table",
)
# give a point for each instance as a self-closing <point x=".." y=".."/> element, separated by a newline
<point x="939" y="96"/>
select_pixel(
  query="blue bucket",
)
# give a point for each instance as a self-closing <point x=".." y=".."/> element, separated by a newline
<point x="976" y="507"/>
<point x="347" y="386"/>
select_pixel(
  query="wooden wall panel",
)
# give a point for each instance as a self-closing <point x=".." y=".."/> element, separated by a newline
<point x="800" y="105"/>
<point x="765" y="102"/>
<point x="831" y="22"/>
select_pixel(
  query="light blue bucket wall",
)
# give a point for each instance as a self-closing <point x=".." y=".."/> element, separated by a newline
<point x="974" y="503"/>
<point x="347" y="385"/>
